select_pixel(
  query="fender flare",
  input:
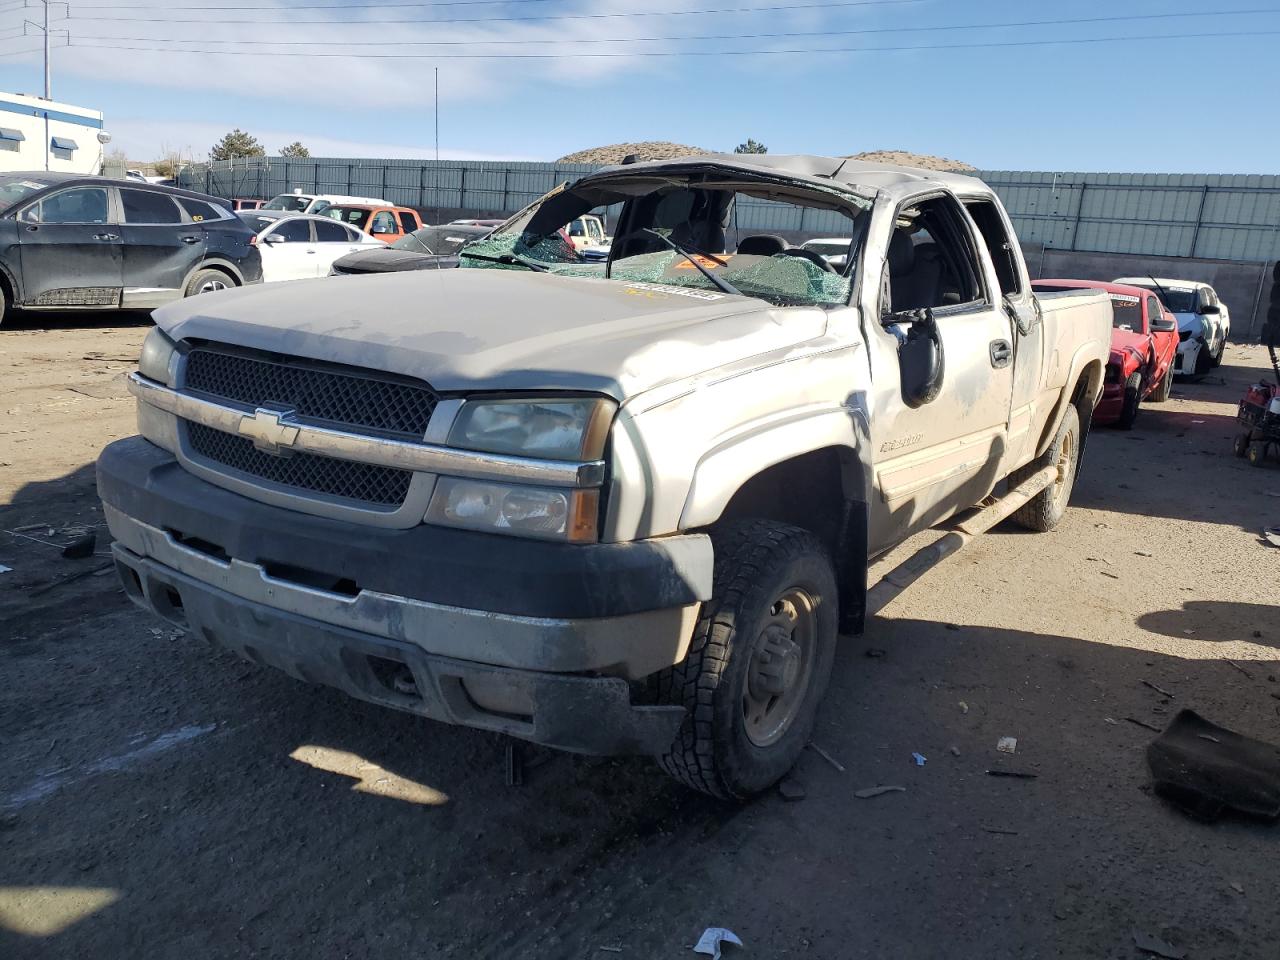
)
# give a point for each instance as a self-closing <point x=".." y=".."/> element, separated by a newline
<point x="15" y="287"/>
<point x="217" y="263"/>
<point x="722" y="472"/>
<point x="1080" y="363"/>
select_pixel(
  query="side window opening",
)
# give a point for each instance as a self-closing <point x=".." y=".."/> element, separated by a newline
<point x="407" y="223"/>
<point x="999" y="244"/>
<point x="931" y="260"/>
<point x="145" y="207"/>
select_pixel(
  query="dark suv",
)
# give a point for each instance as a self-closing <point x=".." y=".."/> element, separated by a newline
<point x="69" y="241"/>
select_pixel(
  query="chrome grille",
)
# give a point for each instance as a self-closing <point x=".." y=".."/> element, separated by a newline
<point x="316" y="393"/>
<point x="368" y="483"/>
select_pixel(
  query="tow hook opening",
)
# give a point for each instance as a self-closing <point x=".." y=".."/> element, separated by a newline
<point x="394" y="675"/>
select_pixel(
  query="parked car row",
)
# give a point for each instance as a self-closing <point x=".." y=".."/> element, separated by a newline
<point x="1159" y="329"/>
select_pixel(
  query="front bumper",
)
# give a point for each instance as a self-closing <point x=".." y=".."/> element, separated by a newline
<point x="381" y="615"/>
<point x="1109" y="405"/>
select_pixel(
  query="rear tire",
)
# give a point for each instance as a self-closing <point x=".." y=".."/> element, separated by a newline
<point x="1165" y="387"/>
<point x="1258" y="453"/>
<point x="758" y="662"/>
<point x="4" y="304"/>
<point x="207" y="280"/>
<point x="1044" y="511"/>
<point x="1132" y="399"/>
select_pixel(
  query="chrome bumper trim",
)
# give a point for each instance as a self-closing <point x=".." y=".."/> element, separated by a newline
<point x="361" y="448"/>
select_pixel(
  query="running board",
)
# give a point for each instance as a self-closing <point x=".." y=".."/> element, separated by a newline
<point x="979" y="521"/>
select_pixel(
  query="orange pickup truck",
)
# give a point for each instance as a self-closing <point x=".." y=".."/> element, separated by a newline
<point x="387" y="224"/>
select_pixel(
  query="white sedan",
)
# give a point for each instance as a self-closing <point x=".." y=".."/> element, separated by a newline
<point x="297" y="246"/>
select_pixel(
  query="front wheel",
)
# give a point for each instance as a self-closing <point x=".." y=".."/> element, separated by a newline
<point x="1258" y="453"/>
<point x="758" y="662"/>
<point x="1240" y="445"/>
<point x="1215" y="359"/>
<point x="1043" y="511"/>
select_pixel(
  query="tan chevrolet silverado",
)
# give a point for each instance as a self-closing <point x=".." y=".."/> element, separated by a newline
<point x="610" y="507"/>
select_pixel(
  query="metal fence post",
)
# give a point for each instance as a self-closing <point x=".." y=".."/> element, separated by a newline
<point x="506" y="183"/>
<point x="462" y="188"/>
<point x="1075" y="228"/>
<point x="1195" y="234"/>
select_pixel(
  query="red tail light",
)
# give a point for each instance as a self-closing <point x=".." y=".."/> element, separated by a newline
<point x="253" y="240"/>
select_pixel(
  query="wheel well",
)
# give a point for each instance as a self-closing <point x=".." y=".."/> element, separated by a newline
<point x="1086" y="389"/>
<point x="225" y="271"/>
<point x="6" y="285"/>
<point x="822" y="491"/>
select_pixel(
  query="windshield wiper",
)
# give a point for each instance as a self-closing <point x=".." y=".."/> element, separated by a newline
<point x="723" y="285"/>
<point x="513" y="259"/>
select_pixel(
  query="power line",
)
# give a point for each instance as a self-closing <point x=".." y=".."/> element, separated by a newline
<point x="566" y="16"/>
<point x="717" y="36"/>
<point x="1131" y="38"/>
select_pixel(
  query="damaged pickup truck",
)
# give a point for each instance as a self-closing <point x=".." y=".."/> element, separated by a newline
<point x="618" y="507"/>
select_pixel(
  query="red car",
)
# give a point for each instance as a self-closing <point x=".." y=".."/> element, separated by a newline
<point x="1144" y="343"/>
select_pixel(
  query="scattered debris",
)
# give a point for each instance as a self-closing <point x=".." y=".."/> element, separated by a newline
<point x="1108" y="573"/>
<point x="1238" y="667"/>
<point x="1237" y="886"/>
<point x="920" y="759"/>
<point x="28" y="527"/>
<point x="964" y="707"/>
<point x="1003" y="833"/>
<point x="1141" y="553"/>
<point x="711" y="940"/>
<point x="1160" y="690"/>
<point x="1143" y="723"/>
<point x="1235" y="773"/>
<point x="81" y="547"/>
<point x="826" y="756"/>
<point x="870" y="792"/>
<point x="875" y="653"/>
<point x="1187" y="631"/>
<point x="78" y="575"/>
<point x="1007" y="744"/>
<point x="4" y="569"/>
<point x="1149" y="944"/>
<point x="610" y="949"/>
<point x="955" y="751"/>
<point x="791" y="789"/>
<point x="1272" y="536"/>
<point x="1109" y="720"/>
<point x="1016" y="774"/>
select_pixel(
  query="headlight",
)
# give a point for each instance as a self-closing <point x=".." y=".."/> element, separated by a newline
<point x="554" y="429"/>
<point x="157" y="353"/>
<point x="549" y="513"/>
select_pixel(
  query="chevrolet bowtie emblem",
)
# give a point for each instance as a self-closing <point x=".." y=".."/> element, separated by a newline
<point x="268" y="433"/>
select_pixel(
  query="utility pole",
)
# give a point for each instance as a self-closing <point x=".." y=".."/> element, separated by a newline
<point x="48" y="82"/>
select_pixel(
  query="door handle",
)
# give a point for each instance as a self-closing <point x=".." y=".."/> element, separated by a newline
<point x="190" y="239"/>
<point x="1001" y="352"/>
<point x="106" y="236"/>
<point x="310" y="251"/>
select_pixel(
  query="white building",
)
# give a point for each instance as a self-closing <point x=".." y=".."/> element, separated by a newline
<point x="39" y="134"/>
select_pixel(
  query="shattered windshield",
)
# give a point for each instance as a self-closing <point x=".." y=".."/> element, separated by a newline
<point x="676" y="230"/>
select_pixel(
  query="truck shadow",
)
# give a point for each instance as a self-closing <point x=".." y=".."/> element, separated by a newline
<point x="281" y="855"/>
<point x="36" y="320"/>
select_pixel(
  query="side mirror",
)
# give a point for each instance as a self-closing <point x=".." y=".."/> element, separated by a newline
<point x="274" y="238"/>
<point x="1164" y="326"/>
<point x="1204" y="302"/>
<point x="920" y="357"/>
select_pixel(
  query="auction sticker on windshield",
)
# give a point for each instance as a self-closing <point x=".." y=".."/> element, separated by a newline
<point x="635" y="288"/>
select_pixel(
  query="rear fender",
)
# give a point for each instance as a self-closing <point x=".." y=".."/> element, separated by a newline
<point x="1083" y="385"/>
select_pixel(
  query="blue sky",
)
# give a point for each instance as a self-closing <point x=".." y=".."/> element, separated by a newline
<point x="1198" y="104"/>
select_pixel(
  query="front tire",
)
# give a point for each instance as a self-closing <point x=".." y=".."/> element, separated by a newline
<point x="1132" y="399"/>
<point x="1258" y="453"/>
<point x="207" y="280"/>
<point x="758" y="663"/>
<point x="1044" y="511"/>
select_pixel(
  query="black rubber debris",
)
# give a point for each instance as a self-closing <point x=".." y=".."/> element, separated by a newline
<point x="80" y="547"/>
<point x="1204" y="769"/>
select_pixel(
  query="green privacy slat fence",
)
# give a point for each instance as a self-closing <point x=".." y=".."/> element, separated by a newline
<point x="1217" y="216"/>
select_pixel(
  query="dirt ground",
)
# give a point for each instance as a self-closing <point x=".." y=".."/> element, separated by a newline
<point x="159" y="799"/>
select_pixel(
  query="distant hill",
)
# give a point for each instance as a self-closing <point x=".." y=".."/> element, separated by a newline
<point x="647" y="150"/>
<point x="665" y="150"/>
<point x="904" y="158"/>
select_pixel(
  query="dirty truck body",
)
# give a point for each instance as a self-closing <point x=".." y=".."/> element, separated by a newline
<point x="609" y="514"/>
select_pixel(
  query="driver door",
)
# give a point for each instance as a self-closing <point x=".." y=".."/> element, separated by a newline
<point x="70" y="250"/>
<point x="935" y="455"/>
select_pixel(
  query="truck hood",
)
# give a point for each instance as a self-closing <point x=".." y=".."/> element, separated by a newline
<point x="474" y="329"/>
<point x="390" y="259"/>
<point x="1127" y="340"/>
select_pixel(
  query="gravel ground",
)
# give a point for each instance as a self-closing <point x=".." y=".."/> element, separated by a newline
<point x="163" y="800"/>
